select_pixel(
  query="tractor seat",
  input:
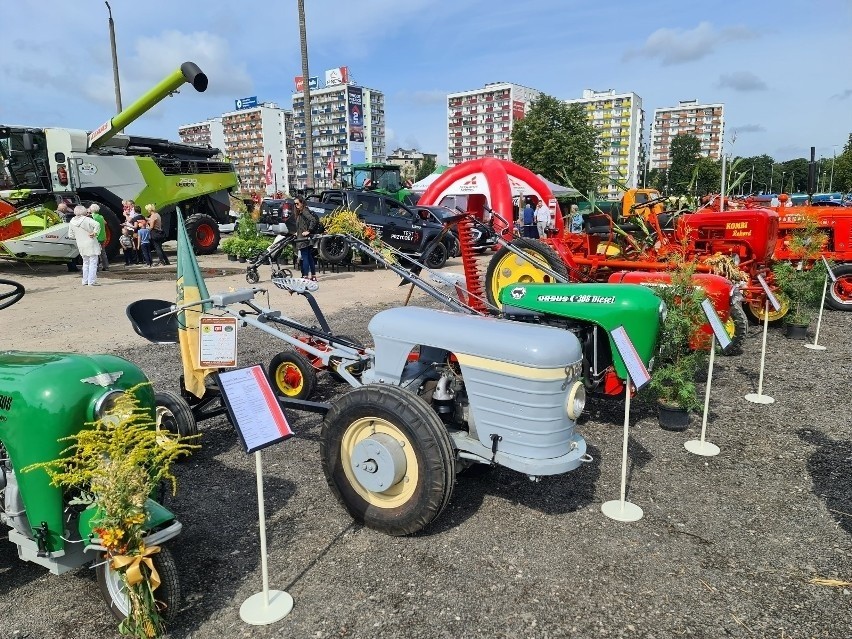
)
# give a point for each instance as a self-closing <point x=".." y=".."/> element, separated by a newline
<point x="296" y="284"/>
<point x="597" y="224"/>
<point x="159" y="331"/>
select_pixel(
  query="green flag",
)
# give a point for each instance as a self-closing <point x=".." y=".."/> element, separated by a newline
<point x="190" y="288"/>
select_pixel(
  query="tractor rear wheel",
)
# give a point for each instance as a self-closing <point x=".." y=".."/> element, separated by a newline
<point x="292" y="375"/>
<point x="203" y="232"/>
<point x="737" y="328"/>
<point x="840" y="292"/>
<point x="506" y="268"/>
<point x="387" y="458"/>
<point x="757" y="310"/>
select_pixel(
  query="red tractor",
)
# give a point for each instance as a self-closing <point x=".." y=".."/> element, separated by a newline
<point x="836" y="223"/>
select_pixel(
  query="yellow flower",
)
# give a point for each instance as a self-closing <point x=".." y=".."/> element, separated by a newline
<point x="111" y="537"/>
<point x="135" y="520"/>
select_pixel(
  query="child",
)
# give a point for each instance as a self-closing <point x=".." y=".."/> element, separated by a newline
<point x="143" y="241"/>
<point x="126" y="241"/>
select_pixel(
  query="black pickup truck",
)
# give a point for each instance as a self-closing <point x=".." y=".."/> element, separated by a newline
<point x="401" y="227"/>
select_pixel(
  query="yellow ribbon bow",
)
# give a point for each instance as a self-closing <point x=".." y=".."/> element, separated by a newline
<point x="132" y="565"/>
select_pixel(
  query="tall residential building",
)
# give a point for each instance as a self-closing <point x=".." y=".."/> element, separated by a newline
<point x="479" y="122"/>
<point x="704" y="121"/>
<point x="348" y="127"/>
<point x="255" y="142"/>
<point x="409" y="161"/>
<point x="621" y="120"/>
<point x="209" y="133"/>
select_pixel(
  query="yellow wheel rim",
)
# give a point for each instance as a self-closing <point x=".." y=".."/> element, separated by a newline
<point x="730" y="327"/>
<point x="401" y="492"/>
<point x="759" y="310"/>
<point x="513" y="269"/>
<point x="289" y="379"/>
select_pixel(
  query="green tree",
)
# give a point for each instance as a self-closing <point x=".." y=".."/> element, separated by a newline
<point x="657" y="180"/>
<point x="684" y="152"/>
<point x="761" y="173"/>
<point x="841" y="178"/>
<point x="556" y="140"/>
<point x="707" y="177"/>
<point x="795" y="175"/>
<point x="424" y="168"/>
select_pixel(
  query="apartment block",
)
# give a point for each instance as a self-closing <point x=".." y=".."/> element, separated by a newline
<point x="255" y="142"/>
<point x="348" y="127"/>
<point x="704" y="121"/>
<point x="479" y="122"/>
<point x="409" y="161"/>
<point x="621" y="120"/>
<point x="209" y="133"/>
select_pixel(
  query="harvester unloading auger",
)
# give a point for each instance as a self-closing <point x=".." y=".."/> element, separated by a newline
<point x="41" y="167"/>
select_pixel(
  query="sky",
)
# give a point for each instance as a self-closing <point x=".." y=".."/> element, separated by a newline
<point x="781" y="67"/>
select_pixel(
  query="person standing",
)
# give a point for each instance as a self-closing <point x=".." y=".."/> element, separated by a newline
<point x="143" y="242"/>
<point x="95" y="212"/>
<point x="529" y="221"/>
<point x="542" y="219"/>
<point x="305" y="222"/>
<point x="128" y="246"/>
<point x="84" y="230"/>
<point x="155" y="225"/>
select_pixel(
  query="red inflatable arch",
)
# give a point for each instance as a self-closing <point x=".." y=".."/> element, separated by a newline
<point x="493" y="182"/>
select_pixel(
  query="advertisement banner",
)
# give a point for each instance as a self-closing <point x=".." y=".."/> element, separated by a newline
<point x="268" y="170"/>
<point x="246" y="103"/>
<point x="300" y="83"/>
<point x="355" y="118"/>
<point x="338" y="75"/>
<point x="517" y="110"/>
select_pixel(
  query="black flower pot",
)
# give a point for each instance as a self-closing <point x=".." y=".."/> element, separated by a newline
<point x="232" y="257"/>
<point x="242" y="259"/>
<point x="672" y="418"/>
<point x="796" y="331"/>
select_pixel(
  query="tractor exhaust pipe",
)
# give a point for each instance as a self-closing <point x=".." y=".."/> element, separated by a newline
<point x="189" y="72"/>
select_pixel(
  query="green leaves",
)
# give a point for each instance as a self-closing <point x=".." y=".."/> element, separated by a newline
<point x="556" y="140"/>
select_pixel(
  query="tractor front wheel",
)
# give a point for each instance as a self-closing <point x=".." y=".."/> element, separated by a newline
<point x="757" y="310"/>
<point x="506" y="268"/>
<point x="840" y="292"/>
<point x="737" y="328"/>
<point x="387" y="458"/>
<point x="203" y="232"/>
<point x="292" y="375"/>
<point x="114" y="589"/>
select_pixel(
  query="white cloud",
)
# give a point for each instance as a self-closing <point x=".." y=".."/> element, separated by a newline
<point x="154" y="57"/>
<point x="741" y="81"/>
<point x="678" y="46"/>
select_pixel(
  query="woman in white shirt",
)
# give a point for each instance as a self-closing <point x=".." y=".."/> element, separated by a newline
<point x="85" y="230"/>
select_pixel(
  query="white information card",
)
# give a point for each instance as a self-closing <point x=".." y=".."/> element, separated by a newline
<point x="253" y="409"/>
<point x="217" y="342"/>
<point x="639" y="375"/>
<point x="773" y="301"/>
<point x="828" y="270"/>
<point x="716" y="324"/>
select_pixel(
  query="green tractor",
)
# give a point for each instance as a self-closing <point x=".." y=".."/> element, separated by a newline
<point x="42" y="167"/>
<point x="379" y="177"/>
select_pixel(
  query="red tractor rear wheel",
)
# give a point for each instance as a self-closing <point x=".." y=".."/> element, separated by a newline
<point x="840" y="292"/>
<point x="203" y="232"/>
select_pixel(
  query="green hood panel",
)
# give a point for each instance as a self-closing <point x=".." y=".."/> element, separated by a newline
<point x="609" y="306"/>
<point x="165" y="190"/>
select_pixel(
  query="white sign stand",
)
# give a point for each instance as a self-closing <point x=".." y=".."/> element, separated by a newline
<point x="267" y="606"/>
<point x="260" y="422"/>
<point x="828" y="274"/>
<point x="702" y="446"/>
<point x="620" y="509"/>
<point x="759" y="397"/>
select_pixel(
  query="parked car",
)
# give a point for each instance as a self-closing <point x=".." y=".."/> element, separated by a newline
<point x="483" y="235"/>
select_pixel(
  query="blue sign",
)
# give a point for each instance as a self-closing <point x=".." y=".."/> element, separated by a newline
<point x="246" y="103"/>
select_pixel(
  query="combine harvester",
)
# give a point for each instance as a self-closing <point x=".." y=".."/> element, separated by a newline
<point x="41" y="167"/>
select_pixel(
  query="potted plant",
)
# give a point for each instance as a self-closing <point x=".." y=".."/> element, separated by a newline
<point x="803" y="289"/>
<point x="229" y="247"/>
<point x="673" y="377"/>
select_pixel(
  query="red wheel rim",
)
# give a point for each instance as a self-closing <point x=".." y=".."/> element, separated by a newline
<point x="842" y="289"/>
<point x="204" y="236"/>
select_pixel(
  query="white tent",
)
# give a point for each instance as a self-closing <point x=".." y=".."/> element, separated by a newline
<point x="421" y="185"/>
<point x="559" y="190"/>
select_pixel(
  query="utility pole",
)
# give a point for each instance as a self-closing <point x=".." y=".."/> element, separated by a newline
<point x="114" y="60"/>
<point x="831" y="179"/>
<point x="306" y="92"/>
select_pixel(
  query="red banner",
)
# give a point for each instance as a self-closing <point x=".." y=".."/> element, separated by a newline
<point x="268" y="170"/>
<point x="517" y="110"/>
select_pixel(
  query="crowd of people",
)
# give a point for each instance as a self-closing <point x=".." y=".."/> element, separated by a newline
<point x="141" y="238"/>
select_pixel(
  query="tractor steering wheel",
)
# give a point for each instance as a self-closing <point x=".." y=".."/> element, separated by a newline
<point x="7" y="298"/>
<point x="649" y="203"/>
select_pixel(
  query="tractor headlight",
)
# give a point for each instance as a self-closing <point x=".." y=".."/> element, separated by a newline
<point x="576" y="401"/>
<point x="664" y="311"/>
<point x="107" y="403"/>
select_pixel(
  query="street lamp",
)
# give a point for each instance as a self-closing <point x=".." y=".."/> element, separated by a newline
<point x="114" y="60"/>
<point x="771" y="172"/>
<point x="831" y="179"/>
